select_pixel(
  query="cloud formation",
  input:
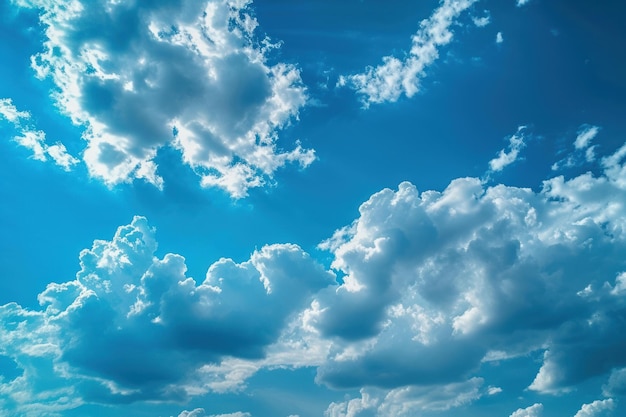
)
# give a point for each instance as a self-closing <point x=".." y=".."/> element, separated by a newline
<point x="394" y="77"/>
<point x="189" y="74"/>
<point x="33" y="139"/>
<point x="132" y="326"/>
<point x="534" y="410"/>
<point x="596" y="408"/>
<point x="429" y="287"/>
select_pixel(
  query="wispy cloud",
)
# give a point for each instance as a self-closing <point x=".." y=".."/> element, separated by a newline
<point x="583" y="150"/>
<point x="508" y="156"/>
<point x="387" y="82"/>
<point x="34" y="139"/>
<point x="521" y="3"/>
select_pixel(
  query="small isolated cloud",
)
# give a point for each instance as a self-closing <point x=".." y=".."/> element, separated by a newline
<point x="583" y="150"/>
<point x="596" y="408"/>
<point x="534" y="410"/>
<point x="200" y="412"/>
<point x="521" y="3"/>
<point x="483" y="20"/>
<point x="387" y="82"/>
<point x="499" y="38"/>
<point x="139" y="76"/>
<point x="508" y="156"/>
<point x="586" y="134"/>
<point x="33" y="139"/>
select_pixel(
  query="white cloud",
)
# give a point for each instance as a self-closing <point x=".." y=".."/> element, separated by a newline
<point x="33" y="139"/>
<point x="583" y="151"/>
<point x="482" y="21"/>
<point x="534" y="410"/>
<point x="616" y="384"/>
<point x="586" y="134"/>
<point x="499" y="38"/>
<point x="157" y="326"/>
<point x="596" y="408"/>
<point x="433" y="285"/>
<point x="407" y="401"/>
<point x="387" y="82"/>
<point x="200" y="412"/>
<point x="505" y="158"/>
<point x="521" y="3"/>
<point x="435" y="282"/>
<point x="191" y="74"/>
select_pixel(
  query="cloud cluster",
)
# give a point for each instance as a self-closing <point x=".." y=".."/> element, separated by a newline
<point x="139" y="76"/>
<point x="428" y="288"/>
<point x="394" y="77"/>
<point x="132" y="326"/>
<point x="33" y="139"/>
<point x="437" y="282"/>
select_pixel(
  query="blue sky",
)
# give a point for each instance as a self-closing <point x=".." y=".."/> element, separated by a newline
<point x="312" y="208"/>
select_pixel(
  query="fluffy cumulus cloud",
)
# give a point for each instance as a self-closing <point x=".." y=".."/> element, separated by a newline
<point x="33" y="139"/>
<point x="436" y="283"/>
<point x="427" y="288"/>
<point x="534" y="410"/>
<point x="596" y="408"/>
<point x="132" y="326"/>
<point x="194" y="75"/>
<point x="394" y="77"/>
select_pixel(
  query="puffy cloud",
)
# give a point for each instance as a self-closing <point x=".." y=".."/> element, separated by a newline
<point x="596" y="408"/>
<point x="499" y="38"/>
<point x="432" y="286"/>
<point x="190" y="74"/>
<point x="394" y="77"/>
<point x="516" y="144"/>
<point x="133" y="326"/>
<point x="438" y="282"/>
<point x="408" y="400"/>
<point x="521" y="3"/>
<point x="534" y="410"/>
<point x="34" y="139"/>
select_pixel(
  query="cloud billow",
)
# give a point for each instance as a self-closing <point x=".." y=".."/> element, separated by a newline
<point x="191" y="74"/>
<point x="434" y="286"/>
